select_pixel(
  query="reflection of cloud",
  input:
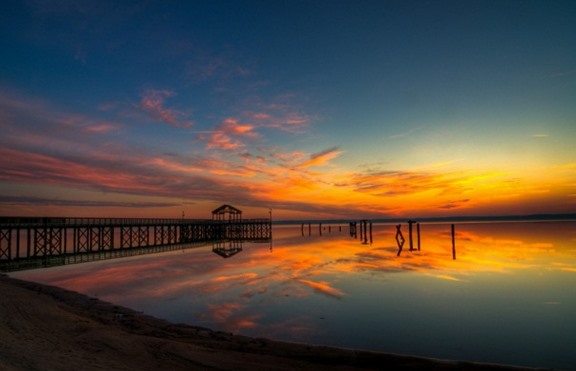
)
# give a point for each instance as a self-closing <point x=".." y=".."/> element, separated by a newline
<point x="235" y="278"/>
<point x="324" y="288"/>
<point x="566" y="267"/>
<point x="447" y="277"/>
<point x="222" y="312"/>
<point x="304" y="266"/>
<point x="230" y="315"/>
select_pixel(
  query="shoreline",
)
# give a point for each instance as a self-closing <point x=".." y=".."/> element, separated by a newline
<point x="50" y="328"/>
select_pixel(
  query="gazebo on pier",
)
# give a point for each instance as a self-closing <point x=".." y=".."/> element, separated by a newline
<point x="227" y="213"/>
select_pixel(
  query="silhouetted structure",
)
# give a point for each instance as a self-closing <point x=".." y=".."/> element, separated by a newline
<point x="31" y="242"/>
<point x="399" y="239"/>
<point x="453" y="243"/>
<point x="364" y="236"/>
<point x="353" y="230"/>
<point x="227" y="213"/>
<point x="227" y="249"/>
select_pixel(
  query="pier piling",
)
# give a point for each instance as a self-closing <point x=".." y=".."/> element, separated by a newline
<point x="453" y="243"/>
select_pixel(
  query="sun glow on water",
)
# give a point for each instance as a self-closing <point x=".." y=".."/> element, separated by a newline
<point x="506" y="298"/>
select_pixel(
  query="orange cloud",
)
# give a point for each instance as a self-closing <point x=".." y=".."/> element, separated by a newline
<point x="228" y="135"/>
<point x="321" y="158"/>
<point x="61" y="149"/>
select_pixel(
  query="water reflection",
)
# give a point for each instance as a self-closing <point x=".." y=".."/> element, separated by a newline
<point x="227" y="248"/>
<point x="508" y="298"/>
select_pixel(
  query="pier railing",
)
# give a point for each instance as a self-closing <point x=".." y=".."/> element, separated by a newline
<point x="37" y="241"/>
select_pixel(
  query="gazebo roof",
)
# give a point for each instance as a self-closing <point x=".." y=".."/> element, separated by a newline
<point x="227" y="209"/>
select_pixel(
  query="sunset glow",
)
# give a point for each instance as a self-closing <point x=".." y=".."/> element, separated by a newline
<point x="315" y="110"/>
<point x="323" y="285"/>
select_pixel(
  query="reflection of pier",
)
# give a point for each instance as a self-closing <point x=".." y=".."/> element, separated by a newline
<point x="400" y="237"/>
<point x="227" y="249"/>
<point x="365" y="230"/>
<point x="320" y="228"/>
<point x="27" y="243"/>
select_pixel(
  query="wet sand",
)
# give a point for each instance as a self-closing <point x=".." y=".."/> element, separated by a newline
<point x="49" y="328"/>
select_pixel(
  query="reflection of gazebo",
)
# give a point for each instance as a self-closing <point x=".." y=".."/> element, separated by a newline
<point x="227" y="249"/>
<point x="227" y="213"/>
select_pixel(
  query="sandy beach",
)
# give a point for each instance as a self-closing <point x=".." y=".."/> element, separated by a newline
<point x="49" y="328"/>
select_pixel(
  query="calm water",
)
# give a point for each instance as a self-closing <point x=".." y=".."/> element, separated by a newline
<point x="509" y="297"/>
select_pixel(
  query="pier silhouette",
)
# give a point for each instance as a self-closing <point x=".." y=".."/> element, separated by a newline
<point x="36" y="242"/>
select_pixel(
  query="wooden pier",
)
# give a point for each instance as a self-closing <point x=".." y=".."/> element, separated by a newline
<point x="29" y="242"/>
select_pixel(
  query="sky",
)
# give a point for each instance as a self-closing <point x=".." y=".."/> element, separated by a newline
<point x="310" y="109"/>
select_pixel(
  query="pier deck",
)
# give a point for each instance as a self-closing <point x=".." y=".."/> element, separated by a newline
<point x="29" y="242"/>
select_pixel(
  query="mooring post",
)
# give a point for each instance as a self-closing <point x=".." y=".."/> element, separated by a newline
<point x="399" y="238"/>
<point x="418" y="233"/>
<point x="370" y="233"/>
<point x="309" y="229"/>
<point x="410" y="222"/>
<point x="364" y="231"/>
<point x="320" y="228"/>
<point x="453" y="244"/>
<point x="302" y="229"/>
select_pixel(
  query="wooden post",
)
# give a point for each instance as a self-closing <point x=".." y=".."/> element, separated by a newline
<point x="370" y="233"/>
<point x="453" y="244"/>
<point x="364" y="229"/>
<point x="410" y="234"/>
<point x="309" y="229"/>
<point x="320" y="228"/>
<point x="418" y="233"/>
<point x="399" y="238"/>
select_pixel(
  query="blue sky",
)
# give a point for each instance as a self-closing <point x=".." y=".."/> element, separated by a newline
<point x="312" y="108"/>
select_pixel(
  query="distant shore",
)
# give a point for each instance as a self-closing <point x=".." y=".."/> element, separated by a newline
<point x="445" y="219"/>
<point x="49" y="328"/>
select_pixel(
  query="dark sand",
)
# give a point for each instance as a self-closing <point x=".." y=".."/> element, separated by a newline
<point x="49" y="328"/>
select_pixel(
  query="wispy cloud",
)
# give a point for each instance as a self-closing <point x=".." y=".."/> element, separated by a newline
<point x="229" y="135"/>
<point x="283" y="112"/>
<point x="394" y="183"/>
<point x="404" y="134"/>
<point x="321" y="158"/>
<point x="39" y="201"/>
<point x="153" y="104"/>
<point x="285" y="121"/>
<point x="454" y="204"/>
<point x="204" y="65"/>
<point x="44" y="146"/>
